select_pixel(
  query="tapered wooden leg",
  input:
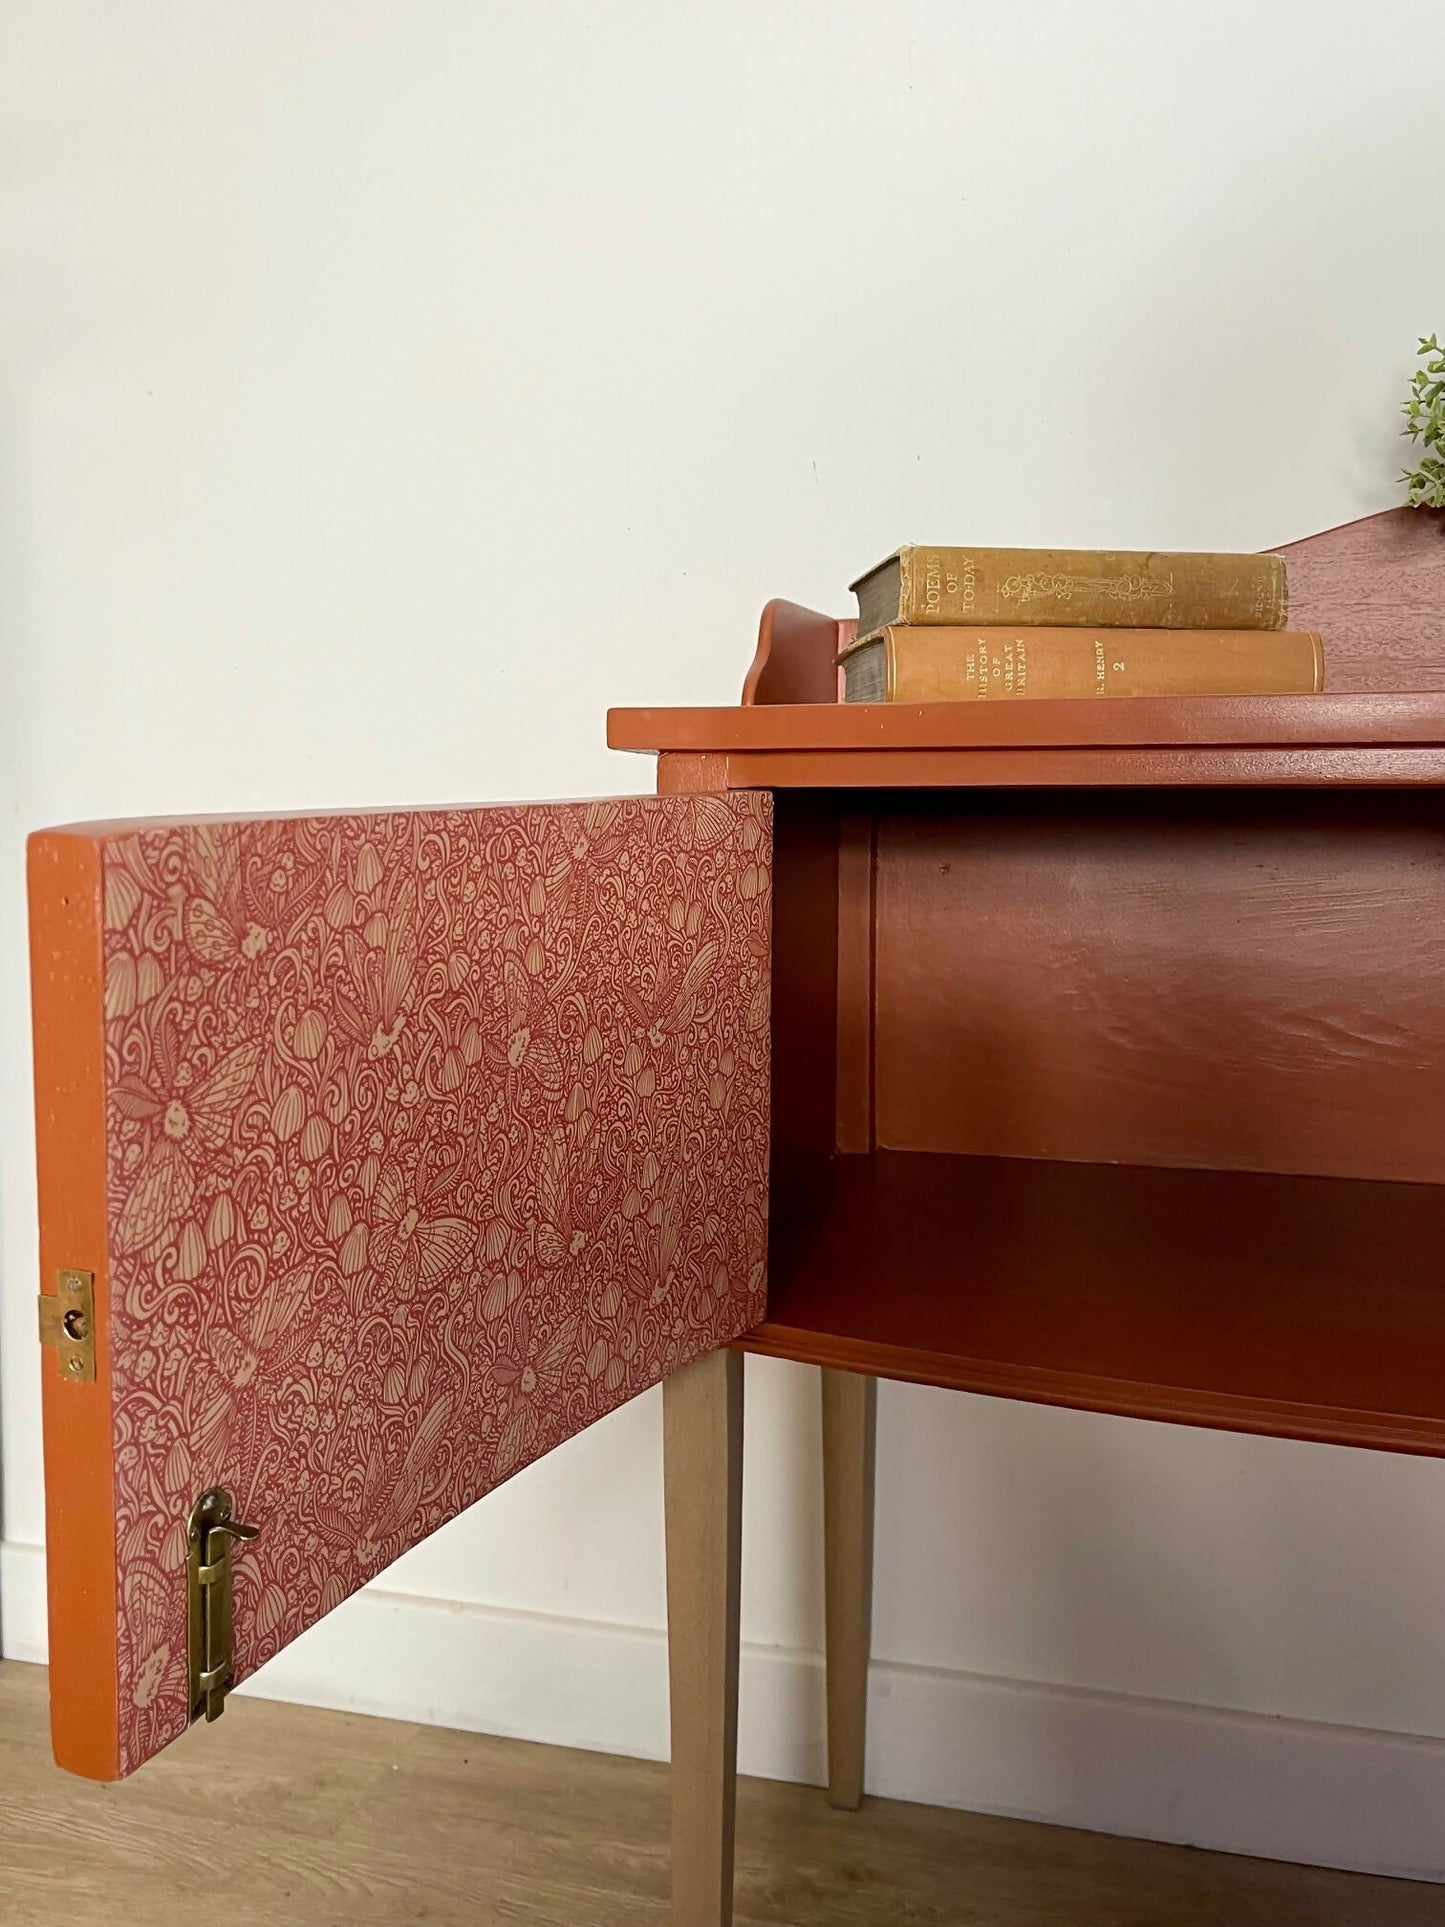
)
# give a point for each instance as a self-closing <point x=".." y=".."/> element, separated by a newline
<point x="850" y="1402"/>
<point x="703" y="1480"/>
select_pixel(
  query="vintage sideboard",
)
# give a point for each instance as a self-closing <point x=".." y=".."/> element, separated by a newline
<point x="1081" y="1052"/>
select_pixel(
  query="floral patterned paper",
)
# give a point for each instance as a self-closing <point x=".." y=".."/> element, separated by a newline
<point x="433" y="1136"/>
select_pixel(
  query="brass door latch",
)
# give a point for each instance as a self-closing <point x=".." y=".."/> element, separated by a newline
<point x="212" y="1532"/>
<point x="67" y="1324"/>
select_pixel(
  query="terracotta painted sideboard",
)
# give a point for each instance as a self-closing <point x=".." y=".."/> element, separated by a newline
<point x="380" y="1153"/>
<point x="1108" y="1071"/>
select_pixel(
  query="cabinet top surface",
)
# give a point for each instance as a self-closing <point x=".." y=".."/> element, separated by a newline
<point x="1121" y="723"/>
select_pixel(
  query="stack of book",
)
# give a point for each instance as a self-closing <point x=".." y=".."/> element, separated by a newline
<point x="967" y="625"/>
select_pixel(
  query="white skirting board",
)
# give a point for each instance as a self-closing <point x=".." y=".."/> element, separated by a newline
<point x="1283" y="1789"/>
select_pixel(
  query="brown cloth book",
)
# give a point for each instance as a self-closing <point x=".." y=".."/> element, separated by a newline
<point x="946" y="665"/>
<point x="1069" y="588"/>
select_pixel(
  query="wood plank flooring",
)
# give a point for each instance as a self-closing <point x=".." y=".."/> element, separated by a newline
<point x="285" y="1817"/>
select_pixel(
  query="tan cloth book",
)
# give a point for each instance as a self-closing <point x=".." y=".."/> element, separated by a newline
<point x="1073" y="588"/>
<point x="978" y="664"/>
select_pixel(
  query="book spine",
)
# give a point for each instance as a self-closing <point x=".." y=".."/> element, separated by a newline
<point x="997" y="664"/>
<point x="1088" y="588"/>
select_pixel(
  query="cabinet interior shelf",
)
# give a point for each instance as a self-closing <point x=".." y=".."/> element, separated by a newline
<point x="1126" y="1099"/>
<point x="1306" y="1306"/>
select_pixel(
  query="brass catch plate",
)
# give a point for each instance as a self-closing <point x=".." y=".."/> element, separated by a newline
<point x="67" y="1324"/>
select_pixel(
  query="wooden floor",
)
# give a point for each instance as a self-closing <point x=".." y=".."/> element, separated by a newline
<point x="284" y="1817"/>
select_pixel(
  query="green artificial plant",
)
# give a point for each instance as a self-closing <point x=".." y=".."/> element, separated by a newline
<point x="1425" y="422"/>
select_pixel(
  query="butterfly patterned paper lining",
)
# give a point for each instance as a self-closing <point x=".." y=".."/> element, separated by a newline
<point x="432" y="1136"/>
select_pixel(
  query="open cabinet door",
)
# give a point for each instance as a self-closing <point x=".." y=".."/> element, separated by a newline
<point x="378" y="1154"/>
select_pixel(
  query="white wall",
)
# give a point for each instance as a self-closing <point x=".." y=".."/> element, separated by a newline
<point x="390" y="388"/>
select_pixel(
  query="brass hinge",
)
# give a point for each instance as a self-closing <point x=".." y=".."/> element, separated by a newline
<point x="67" y="1322"/>
<point x="212" y="1532"/>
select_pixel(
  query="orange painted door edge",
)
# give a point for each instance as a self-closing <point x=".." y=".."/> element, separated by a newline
<point x="67" y="1002"/>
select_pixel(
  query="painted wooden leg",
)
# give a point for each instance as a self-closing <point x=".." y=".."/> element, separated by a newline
<point x="703" y="1480"/>
<point x="850" y="1402"/>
